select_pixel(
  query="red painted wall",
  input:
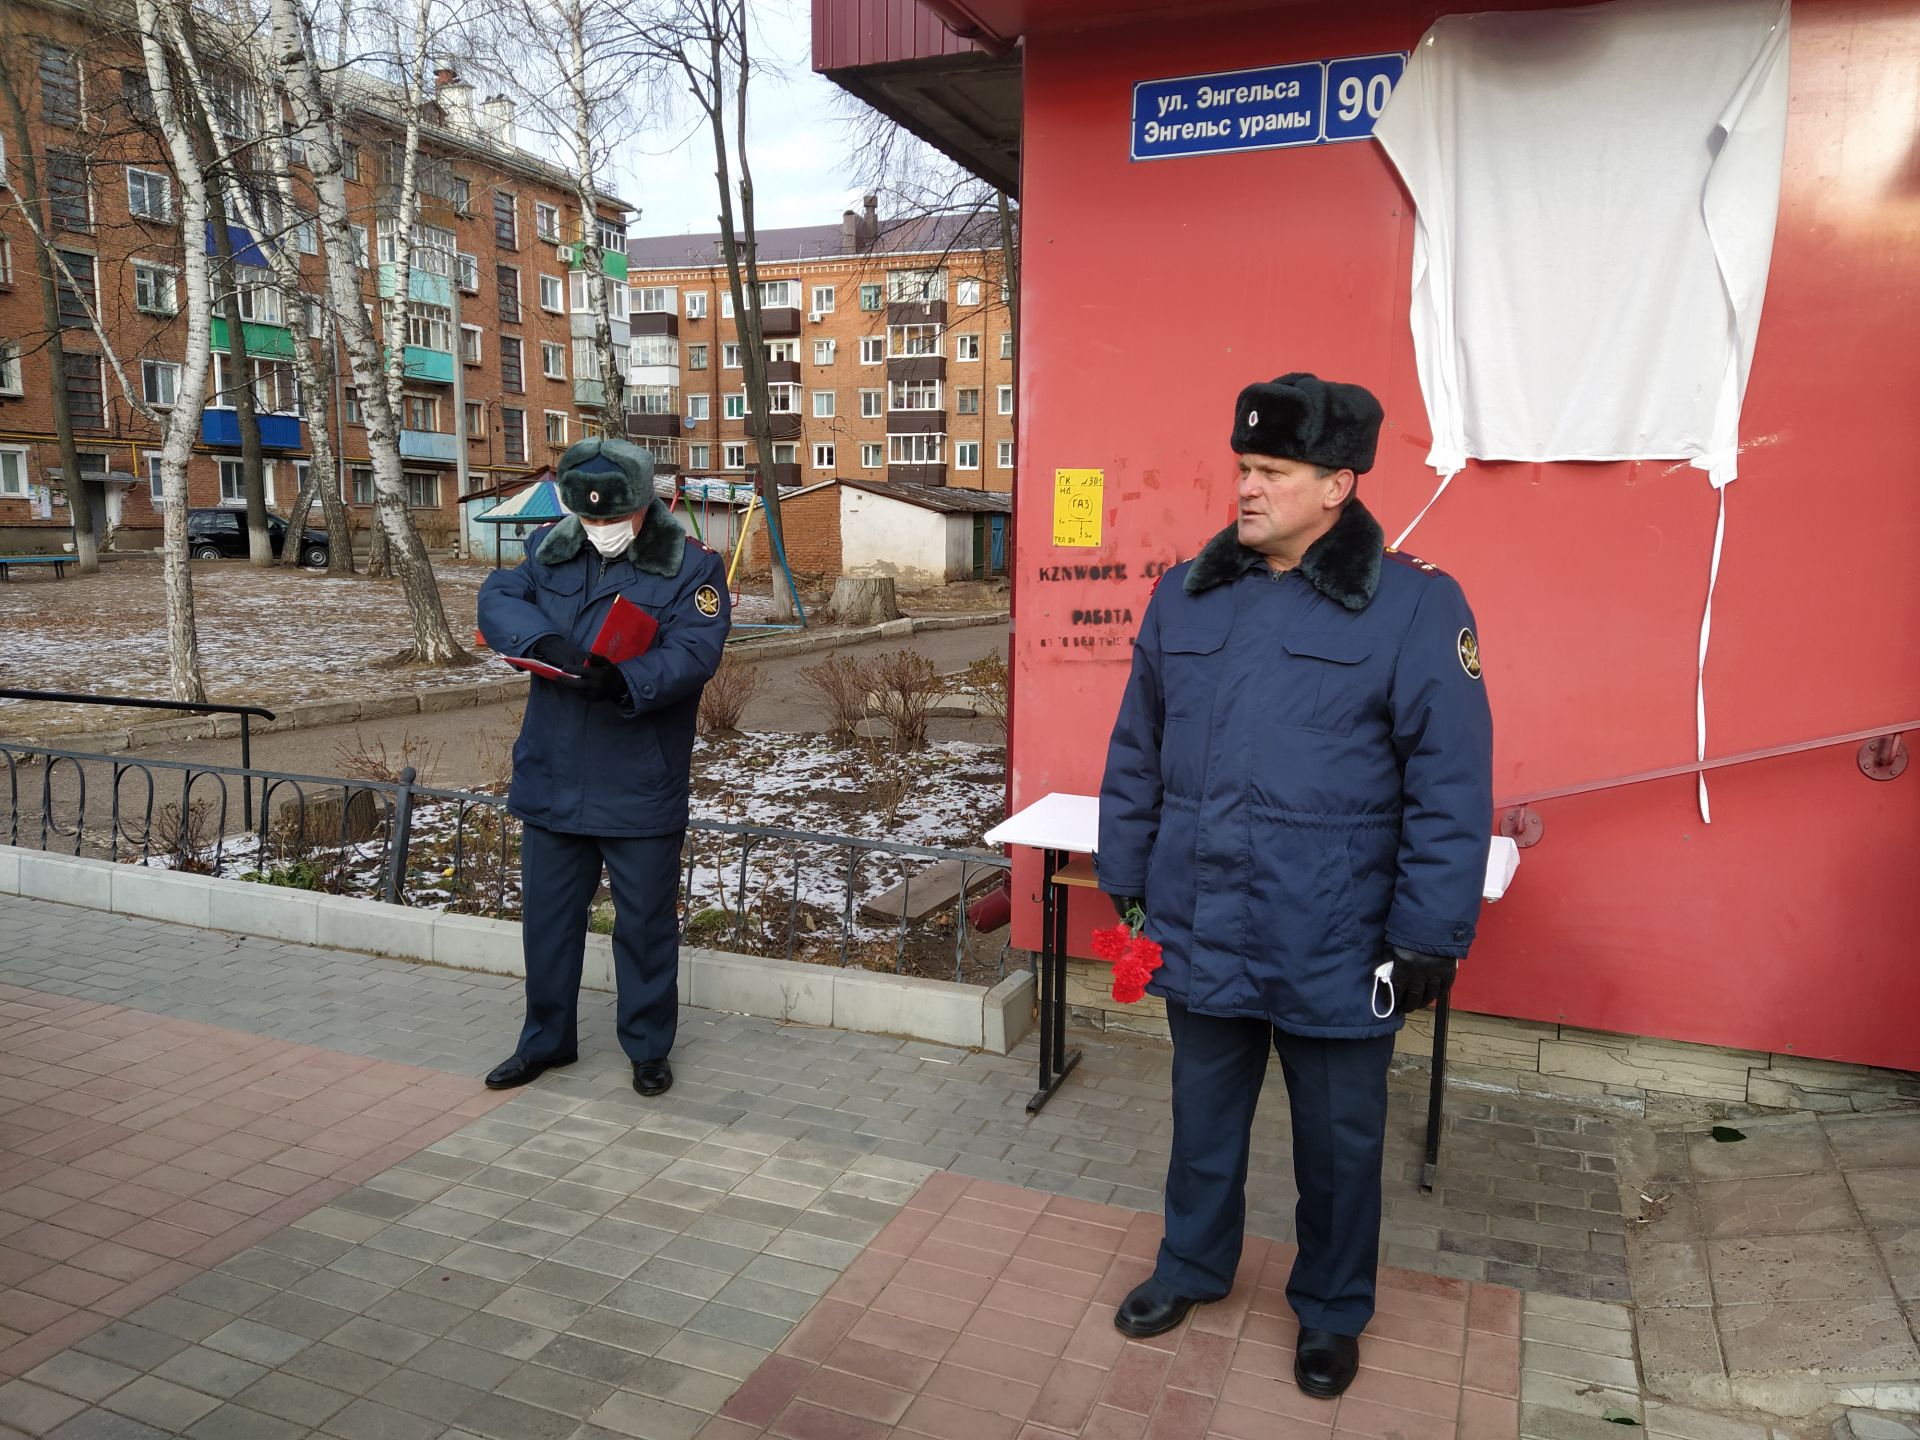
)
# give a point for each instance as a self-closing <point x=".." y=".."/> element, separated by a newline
<point x="1152" y="292"/>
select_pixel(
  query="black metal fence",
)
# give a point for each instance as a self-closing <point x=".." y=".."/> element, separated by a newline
<point x="764" y="890"/>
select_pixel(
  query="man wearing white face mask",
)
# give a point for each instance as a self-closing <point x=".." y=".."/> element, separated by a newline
<point x="600" y="769"/>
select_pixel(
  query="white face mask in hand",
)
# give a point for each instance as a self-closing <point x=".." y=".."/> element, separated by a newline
<point x="610" y="540"/>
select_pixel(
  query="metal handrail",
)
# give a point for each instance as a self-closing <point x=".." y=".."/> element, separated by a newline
<point x="141" y="702"/>
<point x="1882" y="757"/>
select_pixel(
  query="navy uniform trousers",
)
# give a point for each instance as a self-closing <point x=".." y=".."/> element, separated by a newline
<point x="1337" y="1090"/>
<point x="558" y="877"/>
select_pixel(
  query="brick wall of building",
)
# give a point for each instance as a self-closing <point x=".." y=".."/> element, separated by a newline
<point x="810" y="531"/>
<point x="112" y="136"/>
<point x="839" y="371"/>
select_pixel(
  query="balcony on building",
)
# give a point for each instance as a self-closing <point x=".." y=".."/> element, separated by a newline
<point x="785" y="424"/>
<point x="653" y="322"/>
<point x="427" y="445"/>
<point x="785" y="473"/>
<point x="916" y="422"/>
<point x="916" y="312"/>
<point x="427" y="280"/>
<point x="262" y="340"/>
<point x="422" y="363"/>
<point x="779" y="321"/>
<point x="783" y="372"/>
<point x="589" y="392"/>
<point x="581" y="326"/>
<point x="656" y="425"/>
<point x="916" y="367"/>
<point x="917" y="474"/>
<point x="221" y="427"/>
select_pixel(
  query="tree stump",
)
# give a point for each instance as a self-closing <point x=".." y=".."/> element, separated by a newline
<point x="864" y="601"/>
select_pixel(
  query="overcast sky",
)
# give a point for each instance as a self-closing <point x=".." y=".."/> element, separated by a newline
<point x="794" y="139"/>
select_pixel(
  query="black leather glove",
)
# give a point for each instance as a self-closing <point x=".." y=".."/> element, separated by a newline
<point x="1123" y="903"/>
<point x="603" y="680"/>
<point x="561" y="654"/>
<point x="1419" y="980"/>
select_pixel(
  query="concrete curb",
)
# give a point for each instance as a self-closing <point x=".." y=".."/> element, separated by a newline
<point x="298" y="715"/>
<point x="891" y="630"/>
<point x="974" y="1017"/>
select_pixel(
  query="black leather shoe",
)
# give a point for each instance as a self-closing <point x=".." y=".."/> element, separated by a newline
<point x="1151" y="1309"/>
<point x="1324" y="1363"/>
<point x="519" y="1070"/>
<point x="652" y="1077"/>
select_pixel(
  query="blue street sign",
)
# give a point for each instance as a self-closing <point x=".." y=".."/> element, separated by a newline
<point x="1357" y="91"/>
<point x="1312" y="103"/>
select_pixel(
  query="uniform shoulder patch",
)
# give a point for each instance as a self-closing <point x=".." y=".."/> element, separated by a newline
<point x="1414" y="562"/>
<point x="1469" y="651"/>
<point x="707" y="600"/>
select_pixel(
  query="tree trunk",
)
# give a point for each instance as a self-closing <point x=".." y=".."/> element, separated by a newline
<point x="253" y="484"/>
<point x="613" y="380"/>
<point x="861" y="601"/>
<point x="183" y="421"/>
<point x="79" y="504"/>
<point x="433" y="641"/>
<point x="746" y="295"/>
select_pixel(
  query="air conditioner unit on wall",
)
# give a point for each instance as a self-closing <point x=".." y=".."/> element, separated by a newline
<point x="563" y="253"/>
<point x="814" y="317"/>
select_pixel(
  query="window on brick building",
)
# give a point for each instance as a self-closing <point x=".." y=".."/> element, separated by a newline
<point x="1006" y="345"/>
<point x="966" y="455"/>
<point x="476" y="420"/>
<point x="546" y="220"/>
<point x="873" y="349"/>
<point x="871" y="456"/>
<point x="823" y="456"/>
<point x="513" y="428"/>
<point x="159" y="383"/>
<point x="553" y="293"/>
<point x="422" y="412"/>
<point x="75" y="298"/>
<point x="696" y="305"/>
<point x="966" y="402"/>
<point x="730" y="355"/>
<point x="699" y="457"/>
<point x="60" y="97"/>
<point x="556" y="427"/>
<point x="1005" y="395"/>
<point x="822" y="299"/>
<point x="697" y="408"/>
<point x="156" y="288"/>
<point x="733" y="455"/>
<point x="734" y="406"/>
<point x="150" y="195"/>
<point x="156" y="480"/>
<point x="6" y="259"/>
<point x="696" y="357"/>
<point x="506" y="220"/>
<point x="423" y="489"/>
<point x="67" y="195"/>
<point x="350" y="407"/>
<point x="360" y="484"/>
<point x="13" y="472"/>
<point x="873" y="403"/>
<point x="966" y="347"/>
<point x="870" y="296"/>
<point x="10" y="378"/>
<point x="86" y="395"/>
<point x="511" y="376"/>
<point x="470" y="344"/>
<point x="136" y="94"/>
<point x="967" y="292"/>
<point x="823" y="404"/>
<point x="823" y="351"/>
<point x="553" y="360"/>
<point x="507" y="278"/>
<point x="1006" y="454"/>
<point x="468" y="268"/>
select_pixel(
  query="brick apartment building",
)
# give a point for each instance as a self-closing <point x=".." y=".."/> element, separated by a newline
<point x="501" y="294"/>
<point x="890" y="345"/>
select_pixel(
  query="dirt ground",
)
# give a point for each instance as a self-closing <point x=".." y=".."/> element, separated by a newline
<point x="267" y="637"/>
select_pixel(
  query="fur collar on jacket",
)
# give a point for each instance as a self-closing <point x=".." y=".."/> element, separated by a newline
<point x="1343" y="564"/>
<point x="658" y="546"/>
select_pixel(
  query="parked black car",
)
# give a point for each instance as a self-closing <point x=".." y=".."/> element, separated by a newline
<point x="222" y="534"/>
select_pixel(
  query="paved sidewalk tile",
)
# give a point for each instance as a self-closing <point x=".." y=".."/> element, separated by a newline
<point x="987" y="1310"/>
<point x="138" y="1151"/>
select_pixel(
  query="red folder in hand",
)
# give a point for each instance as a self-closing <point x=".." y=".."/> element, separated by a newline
<point x="626" y="632"/>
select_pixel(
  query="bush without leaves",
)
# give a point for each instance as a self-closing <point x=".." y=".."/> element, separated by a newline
<point x="726" y="696"/>
<point x="987" y="679"/>
<point x="185" y="839"/>
<point x="842" y="685"/>
<point x="905" y="685"/>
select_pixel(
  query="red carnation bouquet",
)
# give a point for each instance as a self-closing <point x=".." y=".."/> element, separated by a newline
<point x="1133" y="956"/>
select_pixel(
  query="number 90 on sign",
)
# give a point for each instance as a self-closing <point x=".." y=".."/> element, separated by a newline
<point x="1357" y="91"/>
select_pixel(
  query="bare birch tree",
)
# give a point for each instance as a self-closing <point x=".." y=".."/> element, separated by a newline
<point x="706" y="43"/>
<point x="575" y="81"/>
<point x="316" y="121"/>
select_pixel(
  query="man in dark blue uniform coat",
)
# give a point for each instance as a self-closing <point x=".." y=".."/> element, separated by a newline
<point x="1298" y="794"/>
<point x="600" y="772"/>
